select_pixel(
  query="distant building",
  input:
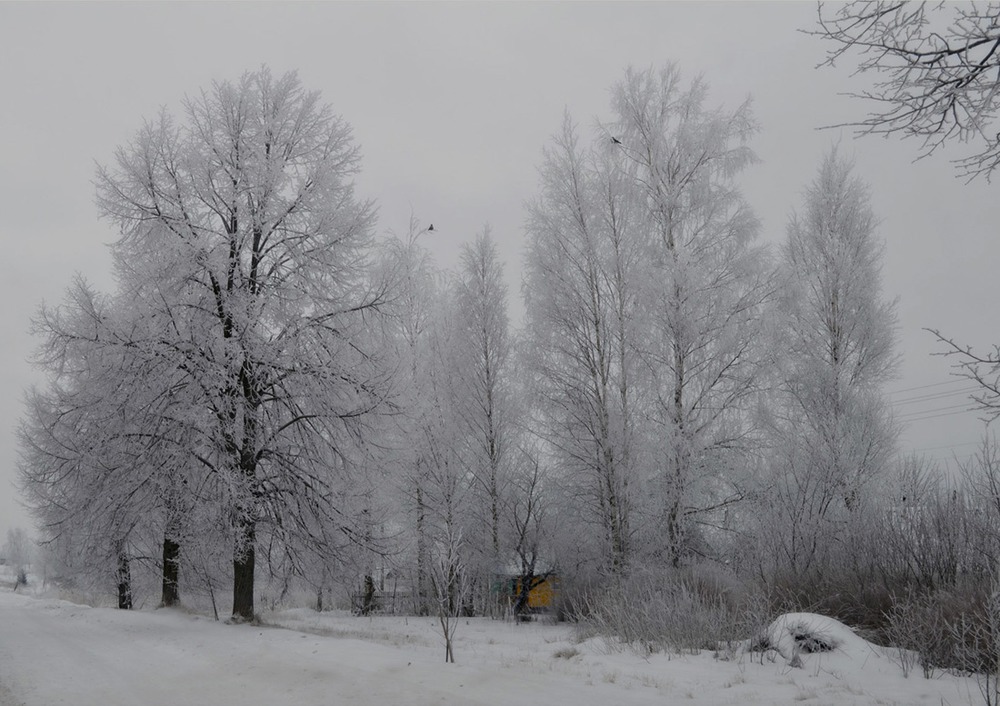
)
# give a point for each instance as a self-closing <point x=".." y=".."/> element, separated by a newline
<point x="542" y="593"/>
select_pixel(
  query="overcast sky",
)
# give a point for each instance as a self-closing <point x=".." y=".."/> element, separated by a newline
<point x="452" y="104"/>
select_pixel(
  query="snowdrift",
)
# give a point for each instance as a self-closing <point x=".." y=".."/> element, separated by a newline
<point x="797" y="636"/>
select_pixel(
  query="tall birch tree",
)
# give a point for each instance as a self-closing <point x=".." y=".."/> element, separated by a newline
<point x="580" y="310"/>
<point x="485" y="398"/>
<point x="705" y="290"/>
<point x="836" y="332"/>
<point x="645" y="291"/>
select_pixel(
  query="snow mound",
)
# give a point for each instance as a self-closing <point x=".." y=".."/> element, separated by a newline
<point x="793" y="635"/>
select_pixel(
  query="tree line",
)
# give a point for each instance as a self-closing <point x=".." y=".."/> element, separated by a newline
<point x="273" y="388"/>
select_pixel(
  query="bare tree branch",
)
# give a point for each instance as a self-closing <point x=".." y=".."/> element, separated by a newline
<point x="936" y="69"/>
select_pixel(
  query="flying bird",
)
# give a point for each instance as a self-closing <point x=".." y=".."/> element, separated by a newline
<point x="616" y="140"/>
<point x="430" y="227"/>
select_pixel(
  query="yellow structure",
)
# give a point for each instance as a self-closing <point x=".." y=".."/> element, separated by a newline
<point x="541" y="595"/>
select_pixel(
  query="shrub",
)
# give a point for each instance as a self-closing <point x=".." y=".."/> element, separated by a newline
<point x="676" y="611"/>
<point x="949" y="629"/>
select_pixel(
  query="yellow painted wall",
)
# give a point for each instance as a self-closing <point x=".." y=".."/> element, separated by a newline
<point x="541" y="596"/>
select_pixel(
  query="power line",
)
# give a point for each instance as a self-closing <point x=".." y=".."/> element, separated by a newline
<point x="918" y="412"/>
<point x="935" y="396"/>
<point x="938" y="416"/>
<point x="946" y="446"/>
<point x="957" y="381"/>
<point x="957" y="460"/>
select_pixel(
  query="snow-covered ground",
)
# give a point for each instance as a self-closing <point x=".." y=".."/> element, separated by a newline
<point x="56" y="652"/>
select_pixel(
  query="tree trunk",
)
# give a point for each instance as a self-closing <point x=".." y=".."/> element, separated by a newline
<point x="525" y="584"/>
<point x="421" y="607"/>
<point x="243" y="570"/>
<point x="368" y="597"/>
<point x="171" y="572"/>
<point x="124" y="577"/>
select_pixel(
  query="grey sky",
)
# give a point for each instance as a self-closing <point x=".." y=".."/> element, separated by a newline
<point x="452" y="104"/>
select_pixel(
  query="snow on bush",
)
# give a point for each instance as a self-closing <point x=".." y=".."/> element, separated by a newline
<point x="794" y="634"/>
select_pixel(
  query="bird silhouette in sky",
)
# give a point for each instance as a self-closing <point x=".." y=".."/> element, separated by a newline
<point x="430" y="227"/>
<point x="616" y="140"/>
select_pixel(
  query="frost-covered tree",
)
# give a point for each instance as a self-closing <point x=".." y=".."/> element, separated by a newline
<point x="644" y="295"/>
<point x="581" y="349"/>
<point x="939" y="82"/>
<point x="243" y="218"/>
<point x="449" y="581"/>
<point x="980" y="368"/>
<point x="835" y="349"/>
<point x="17" y="552"/>
<point x="937" y="67"/>
<point x="75" y="463"/>
<point x="446" y="479"/>
<point x="483" y="364"/>
<point x="409" y="332"/>
<point x="448" y="444"/>
<point x="704" y="291"/>
<point x="528" y="520"/>
<point x="105" y="446"/>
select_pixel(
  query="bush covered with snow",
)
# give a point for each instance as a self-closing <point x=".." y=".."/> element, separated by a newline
<point x="794" y="634"/>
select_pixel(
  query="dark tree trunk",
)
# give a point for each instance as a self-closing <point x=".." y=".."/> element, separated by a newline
<point x="421" y="607"/>
<point x="244" y="551"/>
<point x="525" y="584"/>
<point x="368" y="597"/>
<point x="171" y="572"/>
<point x="243" y="569"/>
<point x="124" y="576"/>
